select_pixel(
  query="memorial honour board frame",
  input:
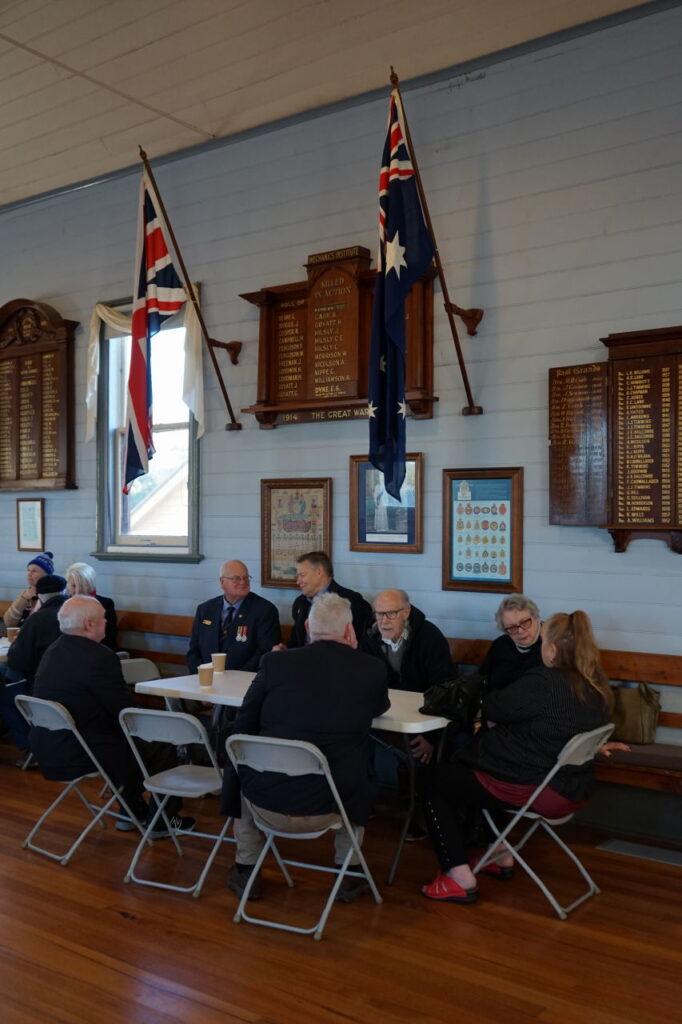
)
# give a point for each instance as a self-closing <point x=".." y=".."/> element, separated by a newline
<point x="36" y="398"/>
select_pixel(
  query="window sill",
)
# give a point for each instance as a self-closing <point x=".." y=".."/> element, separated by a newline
<point x="147" y="555"/>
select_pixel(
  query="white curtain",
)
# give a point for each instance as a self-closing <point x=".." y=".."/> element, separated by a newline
<point x="193" y="383"/>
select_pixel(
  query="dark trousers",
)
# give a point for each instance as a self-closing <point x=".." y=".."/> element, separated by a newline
<point x="445" y="793"/>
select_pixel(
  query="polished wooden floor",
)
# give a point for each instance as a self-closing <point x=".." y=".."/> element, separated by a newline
<point x="78" y="945"/>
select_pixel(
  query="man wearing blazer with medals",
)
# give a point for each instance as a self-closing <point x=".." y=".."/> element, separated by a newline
<point x="238" y="622"/>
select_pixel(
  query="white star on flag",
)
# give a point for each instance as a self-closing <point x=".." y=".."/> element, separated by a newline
<point x="395" y="255"/>
<point x="402" y="409"/>
<point x="382" y="364"/>
<point x="372" y="409"/>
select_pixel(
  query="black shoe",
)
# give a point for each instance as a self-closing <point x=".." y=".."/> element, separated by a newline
<point x="351" y="888"/>
<point x="237" y="878"/>
<point x="178" y="824"/>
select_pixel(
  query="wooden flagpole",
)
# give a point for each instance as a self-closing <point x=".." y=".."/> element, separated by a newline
<point x="233" y="424"/>
<point x="471" y="317"/>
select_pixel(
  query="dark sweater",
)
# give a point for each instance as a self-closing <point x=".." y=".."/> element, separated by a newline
<point x="426" y="659"/>
<point x="504" y="663"/>
<point x="534" y="718"/>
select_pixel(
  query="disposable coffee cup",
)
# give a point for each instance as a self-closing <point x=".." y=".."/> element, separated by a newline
<point x="12" y="633"/>
<point x="205" y="676"/>
<point x="218" y="662"/>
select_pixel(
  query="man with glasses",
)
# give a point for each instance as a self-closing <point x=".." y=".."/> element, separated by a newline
<point x="238" y="622"/>
<point x="519" y="648"/>
<point x="415" y="651"/>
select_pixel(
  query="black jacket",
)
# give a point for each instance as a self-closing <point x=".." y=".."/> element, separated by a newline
<point x="426" y="659"/>
<point x="111" y="620"/>
<point x="534" y="718"/>
<point x="360" y="609"/>
<point x="254" y="632"/>
<point x="504" y="663"/>
<point x="325" y="693"/>
<point x="86" y="678"/>
<point x="37" y="633"/>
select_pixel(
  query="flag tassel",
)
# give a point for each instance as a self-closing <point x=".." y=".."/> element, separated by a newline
<point x="233" y="424"/>
<point x="471" y="317"/>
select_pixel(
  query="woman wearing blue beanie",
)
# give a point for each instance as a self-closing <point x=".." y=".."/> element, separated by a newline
<point x="25" y="602"/>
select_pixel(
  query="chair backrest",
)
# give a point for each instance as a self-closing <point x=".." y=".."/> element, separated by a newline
<point x="139" y="670"/>
<point x="174" y="727"/>
<point x="584" y="746"/>
<point x="44" y="714"/>
<point x="271" y="754"/>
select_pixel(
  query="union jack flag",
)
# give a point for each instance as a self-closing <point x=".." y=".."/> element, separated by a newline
<point x="159" y="294"/>
<point x="405" y="252"/>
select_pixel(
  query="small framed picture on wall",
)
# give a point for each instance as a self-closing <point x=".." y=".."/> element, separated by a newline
<point x="295" y="518"/>
<point x="483" y="530"/>
<point x="378" y="521"/>
<point x="31" y="524"/>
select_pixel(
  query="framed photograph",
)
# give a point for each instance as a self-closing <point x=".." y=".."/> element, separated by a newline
<point x="31" y="524"/>
<point x="377" y="521"/>
<point x="295" y="518"/>
<point x="483" y="530"/>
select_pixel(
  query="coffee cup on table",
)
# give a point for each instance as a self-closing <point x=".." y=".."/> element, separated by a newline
<point x="205" y="676"/>
<point x="218" y="662"/>
<point x="12" y="633"/>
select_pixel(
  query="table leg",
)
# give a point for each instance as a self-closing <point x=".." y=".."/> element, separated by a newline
<point x="412" y="798"/>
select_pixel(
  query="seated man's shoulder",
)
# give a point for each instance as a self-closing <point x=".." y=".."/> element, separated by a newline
<point x="259" y="604"/>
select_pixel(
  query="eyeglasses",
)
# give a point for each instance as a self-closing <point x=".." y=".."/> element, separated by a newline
<point x="523" y="625"/>
<point x="236" y="579"/>
<point x="388" y="615"/>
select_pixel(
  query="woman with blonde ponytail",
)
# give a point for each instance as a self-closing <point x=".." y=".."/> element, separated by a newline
<point x="530" y="722"/>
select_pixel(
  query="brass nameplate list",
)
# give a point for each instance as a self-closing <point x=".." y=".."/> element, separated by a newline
<point x="36" y="398"/>
<point x="616" y="439"/>
<point x="314" y="343"/>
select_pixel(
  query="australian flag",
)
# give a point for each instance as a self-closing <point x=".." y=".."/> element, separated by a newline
<point x="158" y="295"/>
<point x="405" y="252"/>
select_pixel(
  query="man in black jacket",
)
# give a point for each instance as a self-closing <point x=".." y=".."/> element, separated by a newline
<point x="39" y="630"/>
<point x="79" y="672"/>
<point x="326" y="693"/>
<point x="315" y="575"/>
<point x="243" y="625"/>
<point x="415" y="651"/>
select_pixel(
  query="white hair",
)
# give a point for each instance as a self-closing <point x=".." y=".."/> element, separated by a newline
<point x="329" y="616"/>
<point x="82" y="577"/>
<point x="75" y="612"/>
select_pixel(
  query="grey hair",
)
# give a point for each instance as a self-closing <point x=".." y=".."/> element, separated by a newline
<point x="516" y="603"/>
<point x="83" y="577"/>
<point x="75" y="612"/>
<point x="329" y="616"/>
<point x="403" y="596"/>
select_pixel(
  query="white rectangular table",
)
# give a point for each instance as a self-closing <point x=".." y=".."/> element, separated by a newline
<point x="229" y="689"/>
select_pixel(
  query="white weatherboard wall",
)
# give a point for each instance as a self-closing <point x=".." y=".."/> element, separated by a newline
<point x="555" y="184"/>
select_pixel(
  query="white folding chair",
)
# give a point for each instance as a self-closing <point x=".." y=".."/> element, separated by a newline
<point x="138" y="670"/>
<point x="294" y="758"/>
<point x="577" y="751"/>
<point x="48" y="714"/>
<point x="185" y="780"/>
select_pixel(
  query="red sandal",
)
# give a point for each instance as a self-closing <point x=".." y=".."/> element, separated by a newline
<point x="493" y="869"/>
<point x="446" y="889"/>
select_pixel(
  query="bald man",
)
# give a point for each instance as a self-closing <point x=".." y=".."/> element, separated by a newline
<point x="237" y="622"/>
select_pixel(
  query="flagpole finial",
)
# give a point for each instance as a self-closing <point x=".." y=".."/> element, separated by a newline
<point x="395" y="81"/>
<point x="143" y="155"/>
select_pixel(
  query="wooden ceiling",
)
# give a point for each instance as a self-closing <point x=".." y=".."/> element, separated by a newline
<point x="83" y="82"/>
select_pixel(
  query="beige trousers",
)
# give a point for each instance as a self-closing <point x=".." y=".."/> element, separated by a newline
<point x="250" y="838"/>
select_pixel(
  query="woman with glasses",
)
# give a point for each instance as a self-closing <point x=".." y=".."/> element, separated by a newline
<point x="532" y="719"/>
<point x="518" y="649"/>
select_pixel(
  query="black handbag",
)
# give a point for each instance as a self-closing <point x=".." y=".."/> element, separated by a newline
<point x="458" y="699"/>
